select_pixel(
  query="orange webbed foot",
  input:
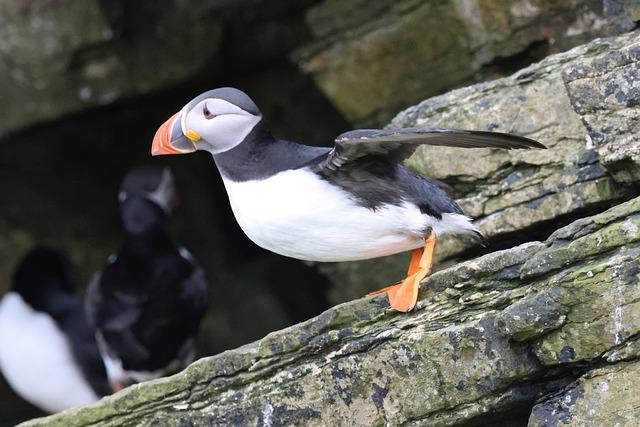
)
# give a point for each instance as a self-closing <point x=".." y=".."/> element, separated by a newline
<point x="404" y="295"/>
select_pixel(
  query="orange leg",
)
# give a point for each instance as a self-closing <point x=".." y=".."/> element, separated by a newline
<point x="403" y="296"/>
<point x="416" y="254"/>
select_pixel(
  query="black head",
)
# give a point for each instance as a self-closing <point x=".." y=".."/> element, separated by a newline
<point x="141" y="216"/>
<point x="41" y="275"/>
<point x="153" y="183"/>
<point x="229" y="94"/>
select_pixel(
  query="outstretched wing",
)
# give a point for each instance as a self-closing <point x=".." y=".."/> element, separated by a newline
<point x="396" y="145"/>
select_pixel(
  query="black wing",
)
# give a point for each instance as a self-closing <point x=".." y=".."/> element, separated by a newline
<point x="147" y="310"/>
<point x="69" y="314"/>
<point x="398" y="144"/>
<point x="85" y="348"/>
<point x="92" y="298"/>
<point x="115" y="314"/>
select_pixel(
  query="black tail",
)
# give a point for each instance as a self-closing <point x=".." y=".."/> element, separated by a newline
<point x="478" y="237"/>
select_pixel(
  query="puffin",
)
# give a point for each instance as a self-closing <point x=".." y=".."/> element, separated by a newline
<point x="147" y="303"/>
<point x="48" y="352"/>
<point x="349" y="202"/>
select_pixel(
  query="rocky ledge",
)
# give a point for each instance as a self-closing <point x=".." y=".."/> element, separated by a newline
<point x="582" y="104"/>
<point x="546" y="330"/>
<point x="544" y="333"/>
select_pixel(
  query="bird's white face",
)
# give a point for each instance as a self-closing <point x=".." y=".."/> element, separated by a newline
<point x="211" y="124"/>
<point x="216" y="125"/>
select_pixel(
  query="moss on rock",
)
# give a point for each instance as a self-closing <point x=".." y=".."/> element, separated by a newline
<point x="486" y="336"/>
<point x="603" y="397"/>
<point x="513" y="193"/>
<point x="413" y="49"/>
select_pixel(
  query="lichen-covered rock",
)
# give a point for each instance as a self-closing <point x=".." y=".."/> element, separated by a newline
<point x="582" y="104"/>
<point x="412" y="49"/>
<point x="605" y="91"/>
<point x="488" y="336"/>
<point x="602" y="397"/>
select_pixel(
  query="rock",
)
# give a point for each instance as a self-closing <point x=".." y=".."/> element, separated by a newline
<point x="603" y="397"/>
<point x="582" y="104"/>
<point x="63" y="57"/>
<point x="373" y="58"/>
<point x="488" y="337"/>
<point x="66" y="56"/>
<point x="605" y="91"/>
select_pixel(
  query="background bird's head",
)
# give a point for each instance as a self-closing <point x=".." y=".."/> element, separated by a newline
<point x="147" y="197"/>
<point x="214" y="121"/>
<point x="42" y="275"/>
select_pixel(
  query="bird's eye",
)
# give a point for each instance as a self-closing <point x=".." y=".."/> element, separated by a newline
<point x="207" y="114"/>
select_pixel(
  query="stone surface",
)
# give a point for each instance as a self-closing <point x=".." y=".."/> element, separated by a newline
<point x="488" y="336"/>
<point x="581" y="104"/>
<point x="65" y="56"/>
<point x="62" y="57"/>
<point x="603" y="397"/>
<point x="372" y="58"/>
<point x="605" y="92"/>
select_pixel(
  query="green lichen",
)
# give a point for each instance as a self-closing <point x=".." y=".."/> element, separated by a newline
<point x="510" y="193"/>
<point x="463" y="353"/>
<point x="405" y="63"/>
<point x="603" y="397"/>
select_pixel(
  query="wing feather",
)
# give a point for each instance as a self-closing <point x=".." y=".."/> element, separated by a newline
<point x="398" y="144"/>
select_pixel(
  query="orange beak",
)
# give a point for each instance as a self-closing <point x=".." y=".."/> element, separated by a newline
<point x="169" y="138"/>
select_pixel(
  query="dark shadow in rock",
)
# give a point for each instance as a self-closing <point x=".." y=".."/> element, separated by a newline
<point x="506" y="65"/>
<point x="541" y="231"/>
<point x="300" y="288"/>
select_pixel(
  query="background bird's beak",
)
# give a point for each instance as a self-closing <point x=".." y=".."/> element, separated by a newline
<point x="169" y="138"/>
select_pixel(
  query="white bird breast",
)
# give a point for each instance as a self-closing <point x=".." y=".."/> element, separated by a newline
<point x="297" y="214"/>
<point x="36" y="358"/>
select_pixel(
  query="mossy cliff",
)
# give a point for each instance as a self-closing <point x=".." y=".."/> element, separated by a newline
<point x="372" y="58"/>
<point x="582" y="104"/>
<point x="555" y="321"/>
<point x="544" y="333"/>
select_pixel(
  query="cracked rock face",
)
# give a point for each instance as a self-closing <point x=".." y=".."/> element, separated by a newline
<point x="601" y="397"/>
<point x="582" y="104"/>
<point x="488" y="337"/>
<point x="605" y="91"/>
<point x="414" y="49"/>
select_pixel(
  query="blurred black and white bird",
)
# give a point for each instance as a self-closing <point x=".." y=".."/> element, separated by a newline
<point x="350" y="202"/>
<point x="148" y="301"/>
<point x="48" y="352"/>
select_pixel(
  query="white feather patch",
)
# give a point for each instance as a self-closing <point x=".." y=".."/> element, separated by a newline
<point x="118" y="375"/>
<point x="297" y="214"/>
<point x="36" y="359"/>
